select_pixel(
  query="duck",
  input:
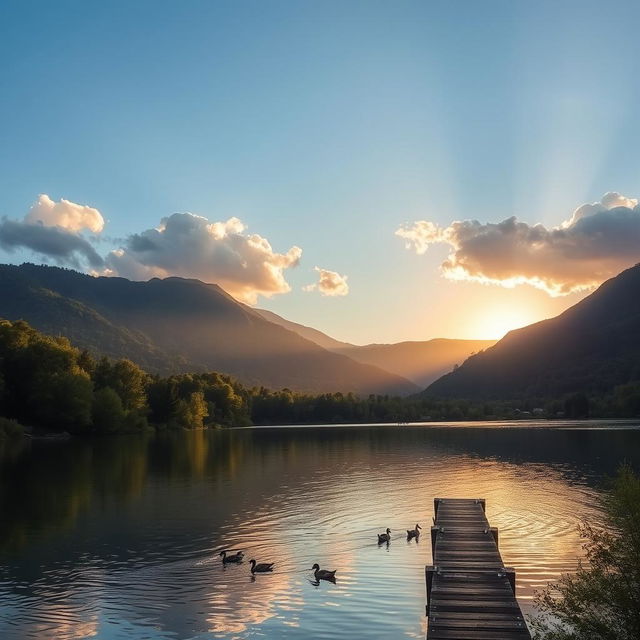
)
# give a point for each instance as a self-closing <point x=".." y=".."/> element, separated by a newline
<point x="263" y="567"/>
<point x="235" y="557"/>
<point x="413" y="533"/>
<point x="384" y="537"/>
<point x="323" y="574"/>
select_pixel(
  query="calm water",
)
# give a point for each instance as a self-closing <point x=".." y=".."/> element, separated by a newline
<point x="118" y="538"/>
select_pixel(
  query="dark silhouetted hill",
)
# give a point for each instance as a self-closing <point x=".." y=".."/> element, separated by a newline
<point x="179" y="325"/>
<point x="591" y="347"/>
<point x="422" y="362"/>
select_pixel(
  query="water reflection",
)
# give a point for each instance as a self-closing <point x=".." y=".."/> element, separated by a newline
<point x="119" y="537"/>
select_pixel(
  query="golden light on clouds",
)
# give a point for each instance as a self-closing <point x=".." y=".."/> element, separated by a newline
<point x="190" y="246"/>
<point x="599" y="240"/>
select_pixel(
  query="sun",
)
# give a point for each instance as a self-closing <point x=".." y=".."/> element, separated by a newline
<point x="496" y="322"/>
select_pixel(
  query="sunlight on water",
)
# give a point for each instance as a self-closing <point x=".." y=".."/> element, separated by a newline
<point x="119" y="538"/>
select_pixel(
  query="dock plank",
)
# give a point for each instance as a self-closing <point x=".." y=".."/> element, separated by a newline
<point x="469" y="590"/>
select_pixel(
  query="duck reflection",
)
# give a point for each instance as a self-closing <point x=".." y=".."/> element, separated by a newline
<point x="121" y="536"/>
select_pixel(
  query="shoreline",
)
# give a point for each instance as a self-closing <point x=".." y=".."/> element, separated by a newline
<point x="557" y="424"/>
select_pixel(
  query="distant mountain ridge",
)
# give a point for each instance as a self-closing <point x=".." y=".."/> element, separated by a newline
<point x="591" y="347"/>
<point x="177" y="324"/>
<point x="422" y="362"/>
<point x="309" y="333"/>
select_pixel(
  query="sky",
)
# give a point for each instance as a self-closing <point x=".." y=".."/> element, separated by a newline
<point x="382" y="171"/>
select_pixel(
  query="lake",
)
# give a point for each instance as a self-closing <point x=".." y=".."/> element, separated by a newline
<point x="118" y="538"/>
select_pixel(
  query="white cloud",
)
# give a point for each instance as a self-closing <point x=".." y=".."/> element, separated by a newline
<point x="330" y="283"/>
<point x="598" y="241"/>
<point x="65" y="214"/>
<point x="191" y="246"/>
<point x="52" y="230"/>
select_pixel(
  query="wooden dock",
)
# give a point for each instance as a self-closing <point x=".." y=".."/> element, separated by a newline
<point x="470" y="593"/>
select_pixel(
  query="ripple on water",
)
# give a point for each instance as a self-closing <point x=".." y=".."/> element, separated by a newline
<point x="147" y="565"/>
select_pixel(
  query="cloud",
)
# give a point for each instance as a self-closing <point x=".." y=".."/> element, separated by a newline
<point x="52" y="229"/>
<point x="183" y="244"/>
<point x="329" y="283"/>
<point x="65" y="214"/>
<point x="191" y="246"/>
<point x="597" y="242"/>
<point x="52" y="242"/>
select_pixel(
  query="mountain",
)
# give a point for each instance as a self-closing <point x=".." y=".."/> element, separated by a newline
<point x="591" y="347"/>
<point x="321" y="339"/>
<point x="22" y="297"/>
<point x="422" y="362"/>
<point x="177" y="324"/>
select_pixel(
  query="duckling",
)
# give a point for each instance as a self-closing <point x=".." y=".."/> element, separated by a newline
<point x="384" y="537"/>
<point x="414" y="533"/>
<point x="235" y="557"/>
<point x="263" y="567"/>
<point x="323" y="574"/>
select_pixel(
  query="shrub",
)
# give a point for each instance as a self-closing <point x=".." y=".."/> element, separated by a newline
<point x="10" y="428"/>
<point x="601" y="601"/>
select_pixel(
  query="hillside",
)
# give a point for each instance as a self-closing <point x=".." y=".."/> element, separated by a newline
<point x="309" y="333"/>
<point x="23" y="298"/>
<point x="422" y="362"/>
<point x="591" y="347"/>
<point x="175" y="325"/>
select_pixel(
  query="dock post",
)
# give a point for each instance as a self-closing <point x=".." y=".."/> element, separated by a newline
<point x="511" y="576"/>
<point x="434" y="535"/>
<point x="436" y="504"/>
<point x="494" y="533"/>
<point x="429" y="570"/>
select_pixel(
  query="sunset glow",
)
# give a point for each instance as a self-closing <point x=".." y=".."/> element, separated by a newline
<point x="496" y="322"/>
<point x="278" y="277"/>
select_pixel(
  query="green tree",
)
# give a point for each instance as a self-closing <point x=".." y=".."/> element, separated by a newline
<point x="62" y="401"/>
<point x="127" y="379"/>
<point x="163" y="399"/>
<point x="10" y="428"/>
<point x="191" y="413"/>
<point x="107" y="412"/>
<point x="601" y="601"/>
<point x="87" y="362"/>
<point x="576" y="406"/>
<point x="627" y="399"/>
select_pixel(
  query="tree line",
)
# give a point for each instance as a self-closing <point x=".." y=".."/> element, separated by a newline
<point x="48" y="384"/>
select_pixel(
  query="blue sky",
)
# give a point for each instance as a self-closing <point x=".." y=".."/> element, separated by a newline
<point x="327" y="126"/>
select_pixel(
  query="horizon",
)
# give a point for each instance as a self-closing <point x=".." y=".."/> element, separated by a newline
<point x="284" y="282"/>
<point x="257" y="308"/>
<point x="352" y="168"/>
